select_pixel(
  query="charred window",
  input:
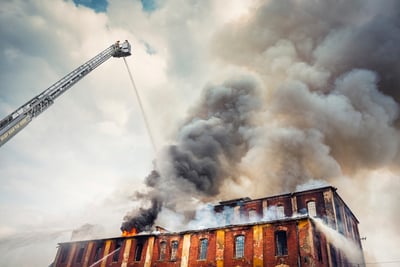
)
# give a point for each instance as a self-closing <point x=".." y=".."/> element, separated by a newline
<point x="203" y="249"/>
<point x="239" y="246"/>
<point x="163" y="249"/>
<point x="311" y="208"/>
<point x="138" y="252"/>
<point x="117" y="248"/>
<point x="64" y="254"/>
<point x="281" y="243"/>
<point x="79" y="256"/>
<point x="174" y="250"/>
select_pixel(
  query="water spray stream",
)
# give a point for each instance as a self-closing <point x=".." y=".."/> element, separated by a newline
<point x="347" y="246"/>
<point x="141" y="107"/>
<point x="105" y="257"/>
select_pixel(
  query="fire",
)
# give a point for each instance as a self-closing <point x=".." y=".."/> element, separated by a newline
<point x="132" y="232"/>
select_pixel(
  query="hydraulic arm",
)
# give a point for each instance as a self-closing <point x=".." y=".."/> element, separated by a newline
<point x="18" y="119"/>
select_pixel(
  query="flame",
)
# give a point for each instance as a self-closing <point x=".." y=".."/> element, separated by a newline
<point x="132" y="232"/>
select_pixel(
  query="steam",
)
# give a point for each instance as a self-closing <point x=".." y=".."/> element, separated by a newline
<point x="346" y="246"/>
<point x="87" y="231"/>
<point x="207" y="217"/>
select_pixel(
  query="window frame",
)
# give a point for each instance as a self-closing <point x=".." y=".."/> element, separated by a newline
<point x="312" y="210"/>
<point x="203" y="249"/>
<point x="80" y="254"/>
<point x="64" y="254"/>
<point x="174" y="250"/>
<point x="162" y="250"/>
<point x="98" y="251"/>
<point x="239" y="246"/>
<point x="281" y="244"/>
<point x="280" y="211"/>
<point x="138" y="252"/>
<point x="253" y="215"/>
<point x="116" y="255"/>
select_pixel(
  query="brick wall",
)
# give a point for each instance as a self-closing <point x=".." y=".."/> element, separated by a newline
<point x="304" y="245"/>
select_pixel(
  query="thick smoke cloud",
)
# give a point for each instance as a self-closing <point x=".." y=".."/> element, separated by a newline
<point x="331" y="110"/>
<point x="327" y="110"/>
<point x="210" y="144"/>
<point x="329" y="74"/>
<point x="324" y="35"/>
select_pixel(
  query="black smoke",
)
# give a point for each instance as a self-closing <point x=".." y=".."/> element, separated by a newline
<point x="328" y="72"/>
<point x="209" y="145"/>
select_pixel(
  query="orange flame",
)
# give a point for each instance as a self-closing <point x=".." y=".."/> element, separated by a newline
<point x="132" y="232"/>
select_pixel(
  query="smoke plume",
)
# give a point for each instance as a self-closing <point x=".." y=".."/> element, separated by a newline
<point x="321" y="103"/>
<point x="210" y="144"/>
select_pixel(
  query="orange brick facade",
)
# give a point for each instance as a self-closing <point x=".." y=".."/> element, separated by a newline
<point x="289" y="240"/>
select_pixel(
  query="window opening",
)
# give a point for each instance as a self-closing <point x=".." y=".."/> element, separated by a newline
<point x="203" y="249"/>
<point x="339" y="217"/>
<point x="64" y="254"/>
<point x="227" y="214"/>
<point x="280" y="211"/>
<point x="281" y="243"/>
<point x="239" y="246"/>
<point x="80" y="254"/>
<point x="116" y="250"/>
<point x="318" y="245"/>
<point x="333" y="255"/>
<point x="174" y="249"/>
<point x="97" y="255"/>
<point x="253" y="215"/>
<point x="138" y="252"/>
<point x="163" y="249"/>
<point x="312" y="210"/>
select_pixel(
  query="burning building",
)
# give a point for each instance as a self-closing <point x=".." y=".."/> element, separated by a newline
<point x="314" y="227"/>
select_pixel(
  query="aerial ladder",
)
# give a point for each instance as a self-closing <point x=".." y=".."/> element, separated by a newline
<point x="22" y="116"/>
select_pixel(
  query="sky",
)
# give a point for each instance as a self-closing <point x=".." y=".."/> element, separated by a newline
<point x="314" y="85"/>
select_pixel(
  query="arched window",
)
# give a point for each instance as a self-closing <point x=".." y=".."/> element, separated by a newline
<point x="280" y="211"/>
<point x="174" y="250"/>
<point x="239" y="246"/>
<point x="311" y="208"/>
<point x="280" y="243"/>
<point x="203" y="249"/>
<point x="163" y="250"/>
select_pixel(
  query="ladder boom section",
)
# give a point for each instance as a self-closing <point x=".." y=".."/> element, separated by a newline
<point x="18" y="119"/>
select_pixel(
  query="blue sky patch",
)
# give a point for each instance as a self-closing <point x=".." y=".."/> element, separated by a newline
<point x="96" y="5"/>
<point x="149" y="5"/>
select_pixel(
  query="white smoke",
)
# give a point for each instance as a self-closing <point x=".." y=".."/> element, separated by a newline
<point x="347" y="246"/>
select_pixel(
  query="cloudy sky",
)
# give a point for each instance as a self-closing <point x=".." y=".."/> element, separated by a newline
<point x="318" y="103"/>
